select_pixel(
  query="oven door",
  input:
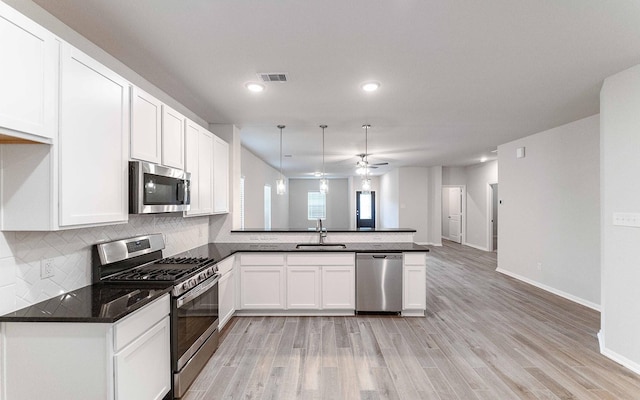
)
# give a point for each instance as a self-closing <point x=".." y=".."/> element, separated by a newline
<point x="194" y="333"/>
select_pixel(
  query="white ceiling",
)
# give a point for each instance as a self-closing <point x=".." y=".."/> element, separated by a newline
<point x="458" y="77"/>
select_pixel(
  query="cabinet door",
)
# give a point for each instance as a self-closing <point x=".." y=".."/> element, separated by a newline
<point x="220" y="176"/>
<point x="28" y="76"/>
<point x="143" y="369"/>
<point x="226" y="298"/>
<point x="146" y="118"/>
<point x="262" y="287"/>
<point x="172" y="138"/>
<point x="94" y="132"/>
<point x="414" y="288"/>
<point x="205" y="171"/>
<point x="338" y="287"/>
<point x="192" y="138"/>
<point x="303" y="287"/>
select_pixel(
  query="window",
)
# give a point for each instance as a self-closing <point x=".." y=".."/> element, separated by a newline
<point x="267" y="207"/>
<point x="316" y="205"/>
<point x="242" y="202"/>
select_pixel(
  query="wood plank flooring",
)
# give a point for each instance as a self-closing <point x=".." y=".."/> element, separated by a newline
<point x="485" y="336"/>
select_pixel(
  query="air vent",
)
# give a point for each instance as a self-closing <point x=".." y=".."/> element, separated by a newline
<point x="273" y="76"/>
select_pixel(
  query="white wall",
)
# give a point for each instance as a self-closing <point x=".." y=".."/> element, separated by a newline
<point x="550" y="210"/>
<point x="434" y="199"/>
<point x="257" y="174"/>
<point x="389" y="200"/>
<point x="454" y="176"/>
<point x="337" y="203"/>
<point x="479" y="177"/>
<point x="620" y="166"/>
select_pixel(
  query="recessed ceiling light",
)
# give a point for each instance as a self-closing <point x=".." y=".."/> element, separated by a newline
<point x="483" y="159"/>
<point x="370" y="86"/>
<point x="254" y="86"/>
<point x="317" y="173"/>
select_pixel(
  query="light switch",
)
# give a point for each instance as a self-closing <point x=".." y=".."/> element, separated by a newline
<point x="626" y="219"/>
<point x="520" y="152"/>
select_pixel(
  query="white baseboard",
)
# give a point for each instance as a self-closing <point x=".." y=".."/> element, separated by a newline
<point x="428" y="244"/>
<point x="601" y="340"/>
<point x="550" y="289"/>
<point x="475" y="247"/>
<point x="624" y="361"/>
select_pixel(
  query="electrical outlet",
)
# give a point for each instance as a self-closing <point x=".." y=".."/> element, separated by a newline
<point x="539" y="266"/>
<point x="626" y="219"/>
<point x="46" y="268"/>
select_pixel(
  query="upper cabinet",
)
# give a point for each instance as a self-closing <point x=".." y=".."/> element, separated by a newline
<point x="28" y="79"/>
<point x="146" y="129"/>
<point x="81" y="179"/>
<point x="157" y="131"/>
<point x="172" y="138"/>
<point x="220" y="176"/>
<point x="94" y="128"/>
<point x="199" y="163"/>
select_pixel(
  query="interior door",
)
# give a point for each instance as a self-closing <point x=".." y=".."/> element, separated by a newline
<point x="455" y="214"/>
<point x="366" y="209"/>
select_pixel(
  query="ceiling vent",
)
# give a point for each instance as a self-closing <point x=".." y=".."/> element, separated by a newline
<point x="273" y="76"/>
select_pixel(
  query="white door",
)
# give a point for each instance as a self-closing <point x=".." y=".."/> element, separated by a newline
<point x="455" y="214"/>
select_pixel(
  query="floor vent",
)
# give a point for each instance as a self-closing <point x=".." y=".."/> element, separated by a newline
<point x="273" y="76"/>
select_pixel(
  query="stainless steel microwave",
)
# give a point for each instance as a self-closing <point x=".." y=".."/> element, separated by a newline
<point x="157" y="189"/>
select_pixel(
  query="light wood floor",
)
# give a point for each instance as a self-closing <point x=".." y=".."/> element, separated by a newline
<point x="485" y="336"/>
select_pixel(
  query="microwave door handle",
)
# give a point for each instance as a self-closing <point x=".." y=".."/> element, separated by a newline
<point x="180" y="192"/>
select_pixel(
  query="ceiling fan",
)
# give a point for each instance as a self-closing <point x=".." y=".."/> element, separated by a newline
<point x="362" y="166"/>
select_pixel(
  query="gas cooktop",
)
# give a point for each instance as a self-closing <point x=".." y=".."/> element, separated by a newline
<point x="168" y="269"/>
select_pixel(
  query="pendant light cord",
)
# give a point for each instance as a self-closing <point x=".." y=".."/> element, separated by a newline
<point x="281" y="127"/>
<point x="323" y="127"/>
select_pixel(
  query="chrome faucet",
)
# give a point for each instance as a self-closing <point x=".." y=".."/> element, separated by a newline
<point x="322" y="233"/>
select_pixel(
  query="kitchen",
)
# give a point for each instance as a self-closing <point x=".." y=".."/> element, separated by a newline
<point x="23" y="250"/>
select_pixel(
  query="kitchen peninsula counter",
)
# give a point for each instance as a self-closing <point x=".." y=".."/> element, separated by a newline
<point x="311" y="230"/>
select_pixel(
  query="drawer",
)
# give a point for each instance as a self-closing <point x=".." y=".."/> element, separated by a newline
<point x="321" y="259"/>
<point x="415" y="258"/>
<point x="134" y="325"/>
<point x="262" y="259"/>
<point x="225" y="265"/>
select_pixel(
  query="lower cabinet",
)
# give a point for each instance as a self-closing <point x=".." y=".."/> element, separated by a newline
<point x="414" y="293"/>
<point x="303" y="287"/>
<point x="129" y="359"/>
<point x="296" y="281"/>
<point x="226" y="290"/>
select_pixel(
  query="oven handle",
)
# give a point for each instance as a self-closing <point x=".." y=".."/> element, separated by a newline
<point x="198" y="290"/>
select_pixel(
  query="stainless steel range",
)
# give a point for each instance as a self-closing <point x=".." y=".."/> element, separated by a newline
<point x="194" y="304"/>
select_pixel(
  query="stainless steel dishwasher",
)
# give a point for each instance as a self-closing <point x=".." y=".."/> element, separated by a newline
<point x="379" y="282"/>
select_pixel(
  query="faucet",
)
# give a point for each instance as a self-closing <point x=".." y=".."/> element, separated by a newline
<point x="322" y="233"/>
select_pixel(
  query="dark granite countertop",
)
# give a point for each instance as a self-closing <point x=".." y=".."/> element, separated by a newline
<point x="109" y="302"/>
<point x="220" y="251"/>
<point x="97" y="303"/>
<point x="330" y="230"/>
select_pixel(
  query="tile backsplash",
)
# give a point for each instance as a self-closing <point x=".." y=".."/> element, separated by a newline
<point x="21" y="254"/>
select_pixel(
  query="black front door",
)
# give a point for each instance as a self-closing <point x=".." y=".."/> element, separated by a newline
<point x="366" y="209"/>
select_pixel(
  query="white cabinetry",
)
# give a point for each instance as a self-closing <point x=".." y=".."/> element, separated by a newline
<point x="303" y="287"/>
<point x="126" y="360"/>
<point x="172" y="138"/>
<point x="28" y="79"/>
<point x="338" y="287"/>
<point x="220" y="176"/>
<point x="146" y="128"/>
<point x="80" y="180"/>
<point x="199" y="162"/>
<point x="414" y="295"/>
<point x="226" y="291"/>
<point x="333" y="283"/>
<point x="94" y="132"/>
<point x="262" y="281"/>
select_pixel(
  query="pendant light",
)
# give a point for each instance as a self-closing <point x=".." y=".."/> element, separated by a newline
<point x="281" y="188"/>
<point x="324" y="183"/>
<point x="366" y="182"/>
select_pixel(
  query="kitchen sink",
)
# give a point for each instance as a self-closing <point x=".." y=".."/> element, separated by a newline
<point x="321" y="246"/>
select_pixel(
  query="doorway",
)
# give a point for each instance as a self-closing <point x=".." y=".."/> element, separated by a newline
<point x="493" y="217"/>
<point x="453" y="213"/>
<point x="366" y="209"/>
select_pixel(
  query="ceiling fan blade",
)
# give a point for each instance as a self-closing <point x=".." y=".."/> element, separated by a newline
<point x="381" y="163"/>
